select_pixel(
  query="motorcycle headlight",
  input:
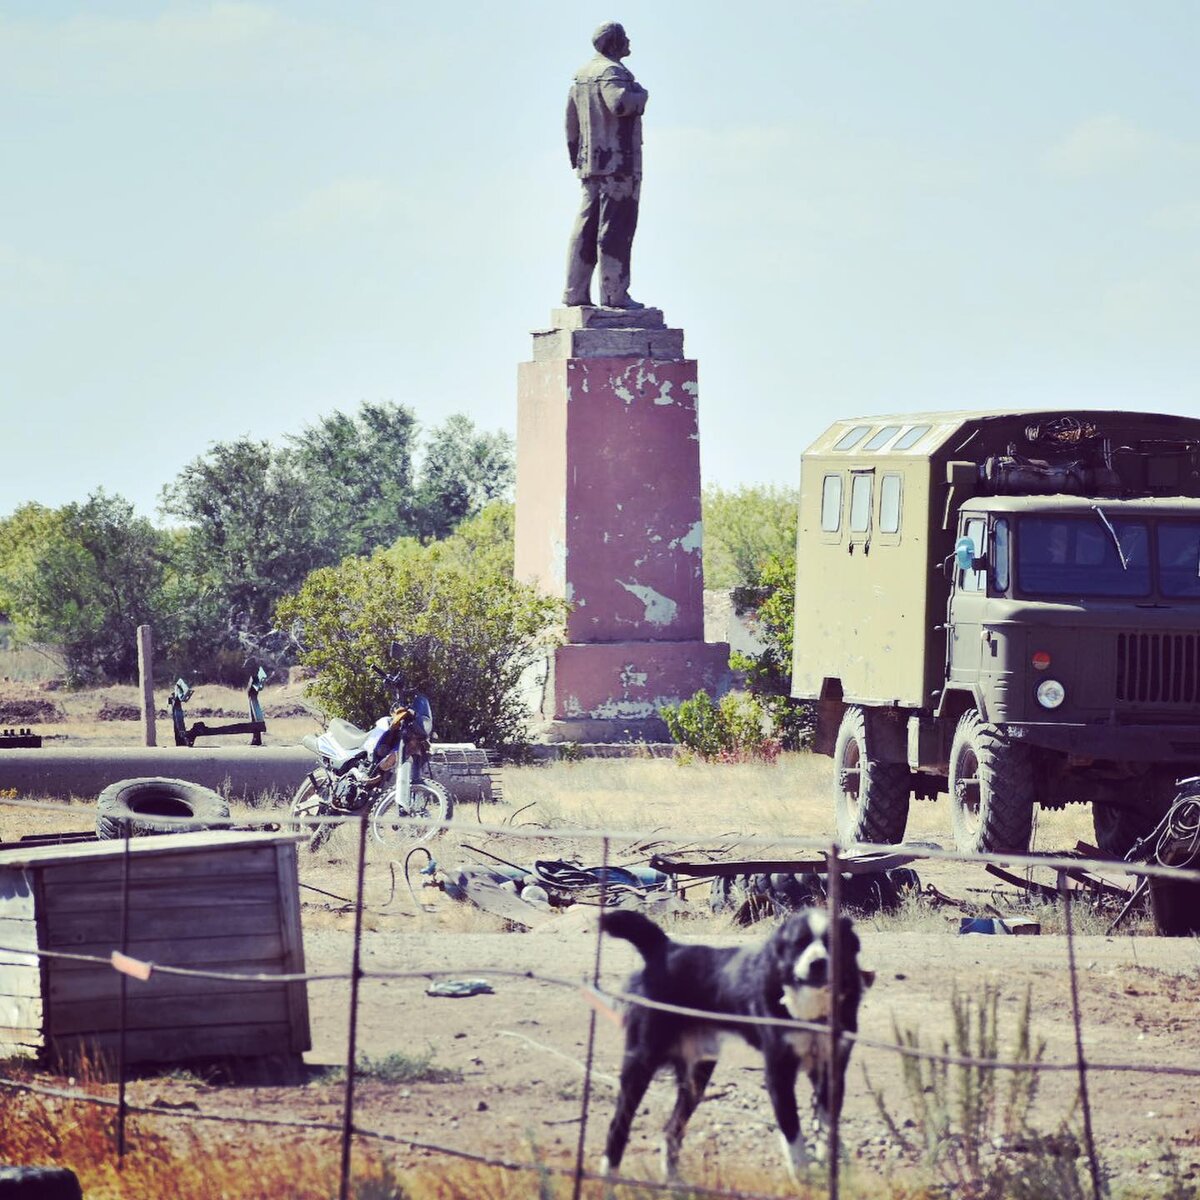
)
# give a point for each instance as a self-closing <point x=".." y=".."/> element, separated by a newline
<point x="1050" y="693"/>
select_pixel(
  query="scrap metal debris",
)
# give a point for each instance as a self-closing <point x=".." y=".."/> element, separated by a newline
<point x="523" y="895"/>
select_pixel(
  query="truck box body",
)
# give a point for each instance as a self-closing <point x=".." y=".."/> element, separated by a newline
<point x="879" y="508"/>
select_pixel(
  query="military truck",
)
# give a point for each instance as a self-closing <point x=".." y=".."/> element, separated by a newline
<point x="1004" y="607"/>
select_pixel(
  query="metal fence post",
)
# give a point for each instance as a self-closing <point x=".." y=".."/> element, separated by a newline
<point x="586" y="1100"/>
<point x="833" y="1077"/>
<point x="121" y="1004"/>
<point x="1084" y="1102"/>
<point x="352" y="1038"/>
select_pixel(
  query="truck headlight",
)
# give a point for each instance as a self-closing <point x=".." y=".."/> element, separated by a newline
<point x="1050" y="693"/>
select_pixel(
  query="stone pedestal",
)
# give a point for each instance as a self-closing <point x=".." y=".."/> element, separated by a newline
<point x="608" y="517"/>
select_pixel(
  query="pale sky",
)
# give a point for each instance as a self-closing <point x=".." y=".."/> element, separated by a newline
<point x="220" y="219"/>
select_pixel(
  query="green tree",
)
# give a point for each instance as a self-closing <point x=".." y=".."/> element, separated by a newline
<point x="360" y="477"/>
<point x="484" y="542"/>
<point x="84" y="578"/>
<point x="462" y="470"/>
<point x="467" y="637"/>
<point x="771" y="599"/>
<point x="249" y="517"/>
<point x="744" y="528"/>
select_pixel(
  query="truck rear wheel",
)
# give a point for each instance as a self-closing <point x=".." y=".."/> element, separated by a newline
<point x="870" y="796"/>
<point x="1118" y="827"/>
<point x="991" y="789"/>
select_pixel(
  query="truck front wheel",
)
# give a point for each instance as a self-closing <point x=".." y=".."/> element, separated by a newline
<point x="991" y="789"/>
<point x="870" y="796"/>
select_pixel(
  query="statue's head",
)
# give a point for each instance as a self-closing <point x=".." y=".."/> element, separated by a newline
<point x="611" y="40"/>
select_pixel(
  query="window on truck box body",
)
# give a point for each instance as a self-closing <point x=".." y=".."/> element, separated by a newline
<point x="891" y="493"/>
<point x="862" y="486"/>
<point x="831" y="504"/>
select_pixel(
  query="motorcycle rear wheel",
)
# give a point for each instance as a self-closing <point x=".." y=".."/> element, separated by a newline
<point x="308" y="803"/>
<point x="431" y="807"/>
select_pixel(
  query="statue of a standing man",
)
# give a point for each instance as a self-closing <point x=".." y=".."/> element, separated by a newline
<point x="604" y="139"/>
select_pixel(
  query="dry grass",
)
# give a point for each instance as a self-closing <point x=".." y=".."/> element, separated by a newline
<point x="792" y="797"/>
<point x="202" y="1163"/>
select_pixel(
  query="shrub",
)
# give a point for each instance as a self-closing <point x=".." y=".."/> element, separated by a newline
<point x="974" y="1130"/>
<point x="772" y="601"/>
<point x="730" y="730"/>
<point x="467" y="637"/>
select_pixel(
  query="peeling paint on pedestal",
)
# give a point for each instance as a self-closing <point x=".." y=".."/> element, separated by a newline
<point x="660" y="610"/>
<point x="618" y="438"/>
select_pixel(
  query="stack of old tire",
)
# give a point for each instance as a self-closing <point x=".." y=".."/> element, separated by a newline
<point x="1176" y="843"/>
<point x="753" y="897"/>
<point x="136" y="807"/>
<point x="39" y="1183"/>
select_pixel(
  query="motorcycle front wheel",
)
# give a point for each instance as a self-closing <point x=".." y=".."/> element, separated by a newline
<point x="429" y="808"/>
<point x="308" y="803"/>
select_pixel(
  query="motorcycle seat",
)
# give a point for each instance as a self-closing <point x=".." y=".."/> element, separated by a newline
<point x="344" y="735"/>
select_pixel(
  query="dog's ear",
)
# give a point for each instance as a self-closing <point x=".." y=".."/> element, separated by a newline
<point x="867" y="977"/>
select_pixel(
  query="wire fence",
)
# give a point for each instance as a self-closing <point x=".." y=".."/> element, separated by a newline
<point x="596" y="1000"/>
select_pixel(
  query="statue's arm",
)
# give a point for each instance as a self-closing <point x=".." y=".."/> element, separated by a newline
<point x="623" y="95"/>
<point x="572" y="129"/>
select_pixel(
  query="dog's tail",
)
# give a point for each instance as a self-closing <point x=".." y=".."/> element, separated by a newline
<point x="647" y="938"/>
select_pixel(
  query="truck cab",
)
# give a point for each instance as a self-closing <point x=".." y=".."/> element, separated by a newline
<point x="1009" y="613"/>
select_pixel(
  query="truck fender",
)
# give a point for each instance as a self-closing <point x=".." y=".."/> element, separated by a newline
<point x="956" y="701"/>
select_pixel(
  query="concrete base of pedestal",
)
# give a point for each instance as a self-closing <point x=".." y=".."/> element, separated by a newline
<point x="613" y="691"/>
<point x="651" y="731"/>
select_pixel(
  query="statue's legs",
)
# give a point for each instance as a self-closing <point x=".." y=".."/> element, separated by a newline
<point x="603" y="230"/>
<point x="581" y="252"/>
<point x="618" y="223"/>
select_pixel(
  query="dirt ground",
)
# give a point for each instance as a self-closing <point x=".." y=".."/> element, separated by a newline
<point x="515" y="1057"/>
<point x="509" y="1064"/>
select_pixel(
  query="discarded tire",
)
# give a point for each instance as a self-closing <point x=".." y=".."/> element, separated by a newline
<point x="39" y="1183"/>
<point x="754" y="897"/>
<point x="144" y="806"/>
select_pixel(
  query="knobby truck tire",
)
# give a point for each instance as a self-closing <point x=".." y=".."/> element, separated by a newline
<point x="870" y="797"/>
<point x="40" y="1183"/>
<point x="157" y="805"/>
<point x="1117" y="828"/>
<point x="991" y="789"/>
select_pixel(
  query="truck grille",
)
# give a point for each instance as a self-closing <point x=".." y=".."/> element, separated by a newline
<point x="1158" y="668"/>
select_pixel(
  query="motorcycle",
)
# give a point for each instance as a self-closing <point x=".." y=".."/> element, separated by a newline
<point x="381" y="769"/>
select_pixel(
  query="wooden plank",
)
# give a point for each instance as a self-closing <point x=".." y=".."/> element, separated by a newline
<point x="18" y="934"/>
<point x="183" y="952"/>
<point x="180" y="1045"/>
<point x="105" y="983"/>
<point x="291" y="933"/>
<point x="20" y="1043"/>
<point x="12" y="958"/>
<point x="67" y="930"/>
<point x="21" y="1012"/>
<point x="16" y="896"/>
<point x="267" y="1005"/>
<point x="21" y="981"/>
<point x="250" y="860"/>
<point x="164" y="845"/>
<point x="181" y="893"/>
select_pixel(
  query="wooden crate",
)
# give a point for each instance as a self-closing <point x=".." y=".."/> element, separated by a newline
<point x="222" y="901"/>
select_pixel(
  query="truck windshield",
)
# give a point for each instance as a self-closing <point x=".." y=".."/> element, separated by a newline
<point x="1083" y="556"/>
<point x="1179" y="558"/>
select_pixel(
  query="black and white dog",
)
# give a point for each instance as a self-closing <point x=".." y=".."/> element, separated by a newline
<point x="787" y="976"/>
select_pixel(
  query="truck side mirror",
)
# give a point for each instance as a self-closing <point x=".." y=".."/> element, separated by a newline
<point x="964" y="554"/>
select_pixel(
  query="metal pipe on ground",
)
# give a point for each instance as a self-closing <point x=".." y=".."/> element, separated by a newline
<point x="236" y="771"/>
